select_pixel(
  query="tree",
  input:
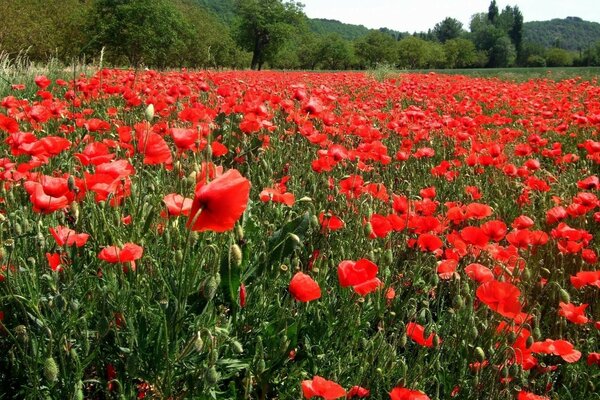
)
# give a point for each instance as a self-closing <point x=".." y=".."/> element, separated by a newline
<point x="449" y="28"/>
<point x="335" y="52"/>
<point x="556" y="57"/>
<point x="138" y="31"/>
<point x="502" y="54"/>
<point x="264" y="25"/>
<point x="412" y="52"/>
<point x="516" y="30"/>
<point x="376" y="48"/>
<point x="492" y="12"/>
<point x="460" y="53"/>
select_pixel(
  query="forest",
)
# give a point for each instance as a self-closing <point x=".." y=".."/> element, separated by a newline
<point x="277" y="34"/>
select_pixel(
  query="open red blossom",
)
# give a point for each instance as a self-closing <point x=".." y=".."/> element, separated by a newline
<point x="8" y="124"/>
<point x="42" y="81"/>
<point x="479" y="273"/>
<point x="560" y="348"/>
<point x="330" y="222"/>
<point x="277" y="196"/>
<point x="593" y="358"/>
<point x="127" y="254"/>
<point x="65" y="236"/>
<point x="584" y="278"/>
<point x="575" y="314"/>
<point x="218" y="204"/>
<point x="304" y="288"/>
<point x="177" y="204"/>
<point x="502" y="297"/>
<point x="357" y="391"/>
<point x="401" y="393"/>
<point x="478" y="211"/>
<point x="495" y="230"/>
<point x="475" y="236"/>
<point x="523" y="395"/>
<point x="321" y="387"/>
<point x="429" y="242"/>
<point x="43" y="202"/>
<point x="351" y="273"/>
<point x="417" y="333"/>
<point x="446" y="269"/>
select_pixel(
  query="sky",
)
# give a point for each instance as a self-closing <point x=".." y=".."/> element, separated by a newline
<point x="421" y="15"/>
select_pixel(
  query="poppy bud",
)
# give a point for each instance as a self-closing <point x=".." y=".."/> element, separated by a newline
<point x="295" y="238"/>
<point x="514" y="369"/>
<point x="479" y="354"/>
<point x="237" y="347"/>
<point x="537" y="334"/>
<point x="78" y="395"/>
<point x="368" y="229"/>
<point x="18" y="229"/>
<point x="526" y="274"/>
<point x="235" y="253"/>
<point x="564" y="296"/>
<point x="261" y="366"/>
<point x="436" y="341"/>
<point x="213" y="356"/>
<point x="212" y="376"/>
<point x="388" y="257"/>
<point x="239" y="233"/>
<point x="198" y="343"/>
<point x="74" y="211"/>
<point x="402" y="341"/>
<point x="529" y="341"/>
<point x="71" y="184"/>
<point x="50" y="370"/>
<point x="314" y="221"/>
<point x="459" y="302"/>
<point x="149" y="112"/>
<point x="179" y="256"/>
<point x="21" y="334"/>
<point x="211" y="285"/>
<point x="545" y="272"/>
<point x="474" y="331"/>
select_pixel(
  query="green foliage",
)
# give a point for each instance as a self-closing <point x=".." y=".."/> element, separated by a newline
<point x="536" y="61"/>
<point x="556" y="57"/>
<point x="324" y="26"/>
<point x="448" y="29"/>
<point x="376" y="48"/>
<point x="460" y="53"/>
<point x="141" y="31"/>
<point x="573" y="33"/>
<point x="335" y="53"/>
<point x="264" y="26"/>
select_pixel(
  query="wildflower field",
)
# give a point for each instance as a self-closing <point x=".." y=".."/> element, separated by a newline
<point x="270" y="235"/>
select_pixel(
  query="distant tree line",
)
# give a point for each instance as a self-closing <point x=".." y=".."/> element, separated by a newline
<point x="269" y="33"/>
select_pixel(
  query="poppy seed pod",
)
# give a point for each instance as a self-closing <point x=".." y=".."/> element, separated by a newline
<point x="235" y="253"/>
<point x="149" y="112"/>
<point x="50" y="370"/>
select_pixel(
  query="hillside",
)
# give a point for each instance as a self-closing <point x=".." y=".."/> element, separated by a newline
<point x="571" y="33"/>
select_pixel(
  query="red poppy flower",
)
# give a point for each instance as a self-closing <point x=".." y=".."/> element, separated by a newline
<point x="429" y="242"/>
<point x="357" y="391"/>
<point x="275" y="195"/>
<point x="8" y="124"/>
<point x="584" y="278"/>
<point x="401" y="393"/>
<point x="523" y="395"/>
<point x="43" y="202"/>
<point x="351" y="273"/>
<point x="417" y="333"/>
<point x="502" y="297"/>
<point x="575" y="314"/>
<point x="42" y="81"/>
<point x="321" y="387"/>
<point x="177" y="204"/>
<point x="479" y="273"/>
<point x="220" y="203"/>
<point x="330" y="222"/>
<point x="65" y="236"/>
<point x="128" y="254"/>
<point x="446" y="269"/>
<point x="304" y="288"/>
<point x="560" y="348"/>
<point x="593" y="358"/>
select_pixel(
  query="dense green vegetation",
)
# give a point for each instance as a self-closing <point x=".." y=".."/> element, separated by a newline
<point x="277" y="34"/>
<point x="571" y="33"/>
